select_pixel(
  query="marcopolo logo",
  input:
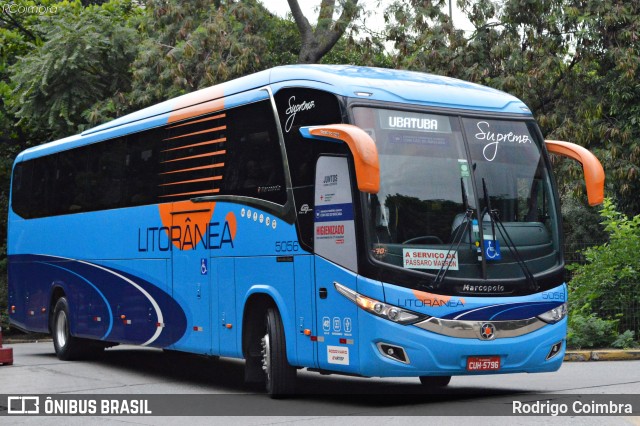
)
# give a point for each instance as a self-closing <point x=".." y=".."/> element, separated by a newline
<point x="21" y="9"/>
<point x="487" y="331"/>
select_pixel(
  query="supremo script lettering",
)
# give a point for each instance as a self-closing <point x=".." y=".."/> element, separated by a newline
<point x="294" y="109"/>
<point x="494" y="139"/>
<point x="212" y="235"/>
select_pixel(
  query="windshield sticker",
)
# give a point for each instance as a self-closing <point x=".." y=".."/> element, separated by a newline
<point x="492" y="250"/>
<point x="416" y="139"/>
<point x="430" y="259"/>
<point x="464" y="168"/>
<point x="494" y="139"/>
<point x="401" y="120"/>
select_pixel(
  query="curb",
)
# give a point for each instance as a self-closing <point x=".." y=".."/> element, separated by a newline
<point x="602" y="355"/>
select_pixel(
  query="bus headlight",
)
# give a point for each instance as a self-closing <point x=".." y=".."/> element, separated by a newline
<point x="555" y="314"/>
<point x="381" y="309"/>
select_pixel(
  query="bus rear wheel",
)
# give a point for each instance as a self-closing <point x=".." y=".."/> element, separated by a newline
<point x="68" y="347"/>
<point x="435" y="381"/>
<point x="280" y="376"/>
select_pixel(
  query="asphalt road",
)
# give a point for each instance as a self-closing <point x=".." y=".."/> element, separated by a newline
<point x="130" y="370"/>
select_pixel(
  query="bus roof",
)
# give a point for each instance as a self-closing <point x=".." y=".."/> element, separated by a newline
<point x="345" y="80"/>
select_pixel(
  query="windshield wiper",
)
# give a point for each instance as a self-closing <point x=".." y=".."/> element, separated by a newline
<point x="459" y="234"/>
<point x="495" y="221"/>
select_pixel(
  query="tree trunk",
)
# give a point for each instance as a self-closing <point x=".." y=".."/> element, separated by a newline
<point x="319" y="41"/>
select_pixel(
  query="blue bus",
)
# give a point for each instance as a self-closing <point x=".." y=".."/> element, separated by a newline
<point x="343" y="219"/>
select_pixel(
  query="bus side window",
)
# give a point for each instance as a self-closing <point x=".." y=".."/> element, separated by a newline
<point x="44" y="170"/>
<point x="253" y="163"/>
<point x="142" y="165"/>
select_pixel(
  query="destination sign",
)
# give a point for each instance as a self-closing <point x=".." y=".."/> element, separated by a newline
<point x="404" y="120"/>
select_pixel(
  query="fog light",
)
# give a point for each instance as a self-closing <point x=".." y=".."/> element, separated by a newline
<point x="555" y="350"/>
<point x="396" y="353"/>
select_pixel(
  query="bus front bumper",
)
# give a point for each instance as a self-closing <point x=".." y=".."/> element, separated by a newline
<point x="427" y="353"/>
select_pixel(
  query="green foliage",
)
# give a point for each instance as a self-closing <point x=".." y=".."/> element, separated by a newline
<point x="191" y="45"/>
<point x="613" y="268"/>
<point x="625" y="340"/>
<point x="606" y="285"/>
<point x="367" y="52"/>
<point x="590" y="332"/>
<point x="582" y="229"/>
<point x="84" y="59"/>
<point x="18" y="36"/>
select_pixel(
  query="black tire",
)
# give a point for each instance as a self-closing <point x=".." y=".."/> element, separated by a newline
<point x="68" y="347"/>
<point x="280" y="376"/>
<point x="435" y="381"/>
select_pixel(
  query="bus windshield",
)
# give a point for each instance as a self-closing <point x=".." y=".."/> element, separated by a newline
<point x="462" y="197"/>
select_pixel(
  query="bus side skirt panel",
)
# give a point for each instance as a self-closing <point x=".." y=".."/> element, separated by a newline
<point x="106" y="303"/>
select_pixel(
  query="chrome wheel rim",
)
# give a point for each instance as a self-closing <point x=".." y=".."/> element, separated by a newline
<point x="61" y="329"/>
<point x="266" y="356"/>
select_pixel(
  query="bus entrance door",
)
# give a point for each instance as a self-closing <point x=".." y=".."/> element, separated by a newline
<point x="193" y="272"/>
<point x="336" y="262"/>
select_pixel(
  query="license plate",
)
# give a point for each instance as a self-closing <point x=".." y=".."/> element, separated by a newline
<point x="483" y="363"/>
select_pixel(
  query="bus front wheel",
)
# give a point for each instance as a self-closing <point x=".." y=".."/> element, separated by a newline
<point x="280" y="376"/>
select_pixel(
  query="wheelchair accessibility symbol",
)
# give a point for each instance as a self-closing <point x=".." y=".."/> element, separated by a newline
<point x="492" y="250"/>
<point x="203" y="266"/>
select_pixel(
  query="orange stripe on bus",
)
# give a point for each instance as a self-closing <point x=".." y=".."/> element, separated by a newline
<point x="197" y="103"/>
<point x="211" y="166"/>
<point x="197" y="144"/>
<point x="207" y="179"/>
<point x="214" y="129"/>
<point x="215" y="117"/>
<point x="210" y="154"/>
<point x="209" y="191"/>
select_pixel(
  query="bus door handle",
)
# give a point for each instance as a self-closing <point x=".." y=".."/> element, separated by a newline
<point x="323" y="293"/>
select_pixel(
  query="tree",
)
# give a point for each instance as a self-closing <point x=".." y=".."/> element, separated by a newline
<point x="191" y="45"/>
<point x="18" y="36"/>
<point x="317" y="42"/>
<point x="84" y="58"/>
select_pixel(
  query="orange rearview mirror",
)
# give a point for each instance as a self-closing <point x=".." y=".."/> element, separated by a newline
<point x="591" y="167"/>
